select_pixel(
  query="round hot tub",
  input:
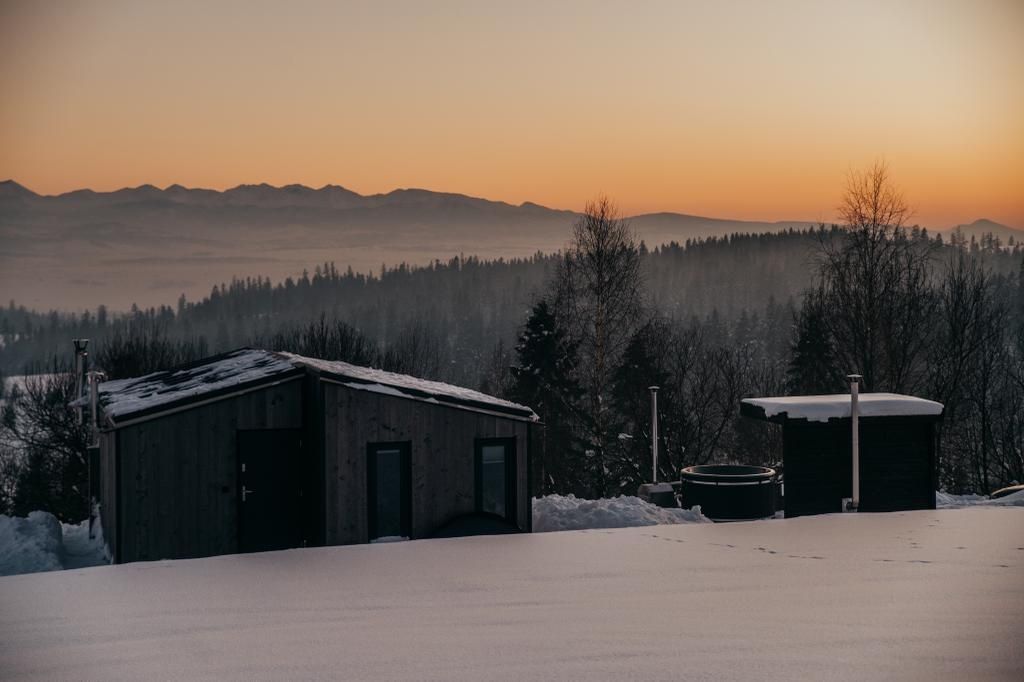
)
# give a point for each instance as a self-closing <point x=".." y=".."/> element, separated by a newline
<point x="729" y="491"/>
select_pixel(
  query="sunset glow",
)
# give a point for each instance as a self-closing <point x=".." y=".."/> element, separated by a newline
<point x="735" y="109"/>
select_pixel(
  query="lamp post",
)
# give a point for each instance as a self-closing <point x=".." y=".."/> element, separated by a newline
<point x="855" y="435"/>
<point x="81" y="367"/>
<point x="654" y="432"/>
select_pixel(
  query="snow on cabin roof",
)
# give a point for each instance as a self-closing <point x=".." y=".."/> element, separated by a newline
<point x="405" y="386"/>
<point x="217" y="375"/>
<point x="238" y="370"/>
<point x="821" y="408"/>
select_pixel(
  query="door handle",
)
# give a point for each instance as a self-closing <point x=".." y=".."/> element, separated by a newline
<point x="246" y="492"/>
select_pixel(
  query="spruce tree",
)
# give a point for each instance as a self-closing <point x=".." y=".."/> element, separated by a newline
<point x="812" y="367"/>
<point x="642" y="366"/>
<point x="545" y="379"/>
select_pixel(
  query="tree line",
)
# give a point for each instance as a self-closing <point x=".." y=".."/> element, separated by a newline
<point x="908" y="312"/>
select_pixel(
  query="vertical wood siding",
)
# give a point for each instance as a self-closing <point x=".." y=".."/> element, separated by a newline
<point x="178" y="479"/>
<point x="442" y="449"/>
<point x="897" y="465"/>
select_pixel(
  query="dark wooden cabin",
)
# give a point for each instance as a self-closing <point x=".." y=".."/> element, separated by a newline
<point x="253" y="450"/>
<point x="897" y="450"/>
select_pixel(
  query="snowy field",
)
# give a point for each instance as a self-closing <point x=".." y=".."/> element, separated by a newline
<point x="914" y="595"/>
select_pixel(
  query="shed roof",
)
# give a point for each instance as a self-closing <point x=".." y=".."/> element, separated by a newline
<point x="216" y="376"/>
<point x="240" y="370"/>
<point x="405" y="386"/>
<point x="821" y="408"/>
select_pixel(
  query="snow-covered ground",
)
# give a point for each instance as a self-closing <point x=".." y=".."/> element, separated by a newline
<point x="912" y="595"/>
<point x="40" y="543"/>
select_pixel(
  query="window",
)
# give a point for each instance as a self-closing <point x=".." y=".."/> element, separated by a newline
<point x="495" y="476"/>
<point x="389" y="490"/>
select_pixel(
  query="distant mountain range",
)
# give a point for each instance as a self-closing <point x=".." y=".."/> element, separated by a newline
<point x="147" y="245"/>
<point x="982" y="227"/>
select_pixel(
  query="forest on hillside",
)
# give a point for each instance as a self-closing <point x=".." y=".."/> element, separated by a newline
<point x="743" y="286"/>
<point x="580" y="336"/>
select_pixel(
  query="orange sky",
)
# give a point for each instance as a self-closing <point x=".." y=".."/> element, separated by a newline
<point x="731" y="109"/>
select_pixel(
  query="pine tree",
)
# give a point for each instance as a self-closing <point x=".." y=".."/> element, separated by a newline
<point x="812" y="367"/>
<point x="642" y="366"/>
<point x="545" y="379"/>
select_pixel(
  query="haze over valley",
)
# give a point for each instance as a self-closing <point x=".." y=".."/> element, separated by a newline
<point x="146" y="245"/>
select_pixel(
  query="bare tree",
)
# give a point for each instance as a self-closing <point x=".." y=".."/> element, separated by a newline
<point x="43" y="447"/>
<point x="872" y="203"/>
<point x="598" y="296"/>
<point x="875" y="285"/>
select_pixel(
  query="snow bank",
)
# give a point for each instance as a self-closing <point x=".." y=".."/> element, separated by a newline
<point x="949" y="501"/>
<point x="81" y="551"/>
<point x="41" y="543"/>
<point x="30" y="545"/>
<point x="555" y="512"/>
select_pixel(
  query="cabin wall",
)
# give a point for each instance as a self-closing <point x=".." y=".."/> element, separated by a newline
<point x="897" y="465"/>
<point x="442" y="453"/>
<point x="177" y="474"/>
<point x="108" y="490"/>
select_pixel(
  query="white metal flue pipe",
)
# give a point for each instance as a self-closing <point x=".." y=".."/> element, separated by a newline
<point x="654" y="432"/>
<point x="80" y="369"/>
<point x="855" y="435"/>
<point x="94" y="400"/>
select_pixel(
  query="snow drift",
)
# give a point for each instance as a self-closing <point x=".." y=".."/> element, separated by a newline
<point x="950" y="501"/>
<point x="30" y="545"/>
<point x="41" y="543"/>
<point x="555" y="512"/>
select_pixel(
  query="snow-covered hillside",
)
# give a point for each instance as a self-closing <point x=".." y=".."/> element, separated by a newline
<point x="913" y="595"/>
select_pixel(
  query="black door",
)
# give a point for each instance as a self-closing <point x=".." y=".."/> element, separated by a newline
<point x="269" y="495"/>
<point x="389" y="493"/>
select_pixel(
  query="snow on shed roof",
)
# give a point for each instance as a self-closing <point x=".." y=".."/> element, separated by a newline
<point x="217" y="375"/>
<point x="821" y="408"/>
<point x="405" y="386"/>
<point x="238" y="370"/>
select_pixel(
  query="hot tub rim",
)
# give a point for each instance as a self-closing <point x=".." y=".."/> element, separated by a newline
<point x="758" y="475"/>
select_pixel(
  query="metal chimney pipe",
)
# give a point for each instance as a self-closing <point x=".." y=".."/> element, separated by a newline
<point x="94" y="400"/>
<point x="654" y="432"/>
<point x="855" y="428"/>
<point x="80" y="369"/>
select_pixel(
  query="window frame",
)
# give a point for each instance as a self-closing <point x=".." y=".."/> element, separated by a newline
<point x="405" y="452"/>
<point x="511" y="502"/>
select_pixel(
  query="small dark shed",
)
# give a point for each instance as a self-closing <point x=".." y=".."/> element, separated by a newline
<point x="253" y="450"/>
<point x="897" y="450"/>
